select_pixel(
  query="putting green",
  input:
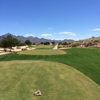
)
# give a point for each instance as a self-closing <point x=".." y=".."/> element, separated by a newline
<point x="20" y="79"/>
<point x="42" y="52"/>
<point x="44" y="46"/>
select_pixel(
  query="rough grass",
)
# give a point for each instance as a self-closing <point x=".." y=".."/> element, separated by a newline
<point x="20" y="79"/>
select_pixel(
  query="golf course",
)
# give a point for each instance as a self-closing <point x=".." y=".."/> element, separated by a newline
<point x="49" y="49"/>
<point x="69" y="74"/>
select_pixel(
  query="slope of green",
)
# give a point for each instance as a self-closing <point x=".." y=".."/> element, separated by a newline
<point x="85" y="60"/>
<point x="20" y="79"/>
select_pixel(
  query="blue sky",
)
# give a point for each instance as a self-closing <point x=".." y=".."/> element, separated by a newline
<point x="51" y="19"/>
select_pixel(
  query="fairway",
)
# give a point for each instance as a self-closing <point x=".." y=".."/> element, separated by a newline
<point x="43" y="52"/>
<point x="20" y="79"/>
<point x="85" y="60"/>
<point x="49" y="49"/>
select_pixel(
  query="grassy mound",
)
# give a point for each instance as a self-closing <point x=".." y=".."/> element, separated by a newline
<point x="20" y="79"/>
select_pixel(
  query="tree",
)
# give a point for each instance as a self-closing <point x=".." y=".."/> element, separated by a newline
<point x="53" y="42"/>
<point x="60" y="43"/>
<point x="0" y="44"/>
<point x="93" y="37"/>
<point x="28" y="42"/>
<point x="22" y="44"/>
<point x="46" y="43"/>
<point x="9" y="42"/>
<point x="34" y="43"/>
<point x="41" y="43"/>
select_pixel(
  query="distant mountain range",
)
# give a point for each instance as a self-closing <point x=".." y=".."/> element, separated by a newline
<point x="36" y="39"/>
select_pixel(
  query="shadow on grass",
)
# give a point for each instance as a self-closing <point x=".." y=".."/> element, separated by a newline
<point x="15" y="56"/>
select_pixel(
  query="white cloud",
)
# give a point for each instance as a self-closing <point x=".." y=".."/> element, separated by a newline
<point x="68" y="33"/>
<point x="27" y="35"/>
<point x="46" y="34"/>
<point x="96" y="29"/>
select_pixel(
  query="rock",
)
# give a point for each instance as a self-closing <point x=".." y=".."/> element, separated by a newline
<point x="37" y="93"/>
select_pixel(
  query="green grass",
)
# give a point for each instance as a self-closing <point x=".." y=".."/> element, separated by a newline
<point x="20" y="79"/>
<point x="44" y="46"/>
<point x="85" y="60"/>
<point x="43" y="52"/>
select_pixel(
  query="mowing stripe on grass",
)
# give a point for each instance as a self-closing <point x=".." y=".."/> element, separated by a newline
<point x="86" y="60"/>
<point x="20" y="79"/>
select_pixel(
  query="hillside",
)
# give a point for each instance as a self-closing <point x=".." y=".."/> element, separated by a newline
<point x="90" y="42"/>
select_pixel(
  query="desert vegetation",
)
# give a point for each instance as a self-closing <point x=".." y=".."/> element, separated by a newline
<point x="91" y="42"/>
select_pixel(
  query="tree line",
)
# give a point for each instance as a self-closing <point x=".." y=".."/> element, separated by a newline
<point x="9" y="41"/>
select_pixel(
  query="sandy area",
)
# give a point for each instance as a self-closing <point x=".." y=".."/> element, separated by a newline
<point x="56" y="47"/>
<point x="4" y="53"/>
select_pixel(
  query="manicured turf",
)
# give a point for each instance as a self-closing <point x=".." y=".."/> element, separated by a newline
<point x="44" y="46"/>
<point x="85" y="60"/>
<point x="43" y="52"/>
<point x="20" y="79"/>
